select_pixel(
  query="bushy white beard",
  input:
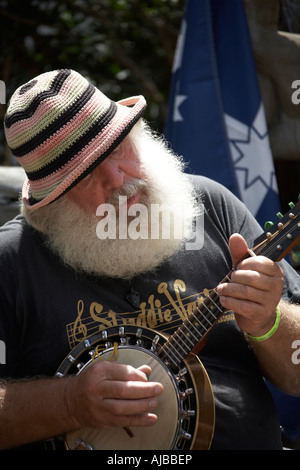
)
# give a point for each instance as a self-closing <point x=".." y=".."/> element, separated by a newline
<point x="71" y="231"/>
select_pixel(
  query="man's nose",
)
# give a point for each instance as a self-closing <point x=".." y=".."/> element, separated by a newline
<point x="111" y="174"/>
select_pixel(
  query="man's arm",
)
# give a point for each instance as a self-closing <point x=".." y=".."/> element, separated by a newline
<point x="275" y="354"/>
<point x="253" y="294"/>
<point x="33" y="410"/>
<point x="106" y="394"/>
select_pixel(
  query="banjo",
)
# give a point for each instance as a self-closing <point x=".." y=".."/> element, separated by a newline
<point x="185" y="412"/>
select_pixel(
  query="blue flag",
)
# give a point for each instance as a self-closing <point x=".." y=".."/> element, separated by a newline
<point x="216" y="119"/>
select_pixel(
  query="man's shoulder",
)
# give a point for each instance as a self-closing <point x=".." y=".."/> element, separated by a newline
<point x="200" y="181"/>
<point x="212" y="191"/>
<point x="14" y="233"/>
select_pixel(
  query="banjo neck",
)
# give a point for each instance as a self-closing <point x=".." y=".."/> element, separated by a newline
<point x="190" y="337"/>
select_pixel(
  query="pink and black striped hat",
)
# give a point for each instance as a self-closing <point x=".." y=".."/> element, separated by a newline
<point x="60" y="127"/>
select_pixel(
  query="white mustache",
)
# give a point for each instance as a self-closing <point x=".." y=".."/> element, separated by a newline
<point x="129" y="190"/>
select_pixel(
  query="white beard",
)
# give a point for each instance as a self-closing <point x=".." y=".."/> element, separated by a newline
<point x="71" y="231"/>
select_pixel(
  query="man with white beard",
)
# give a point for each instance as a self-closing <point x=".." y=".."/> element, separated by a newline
<point x="108" y="254"/>
<point x="93" y="250"/>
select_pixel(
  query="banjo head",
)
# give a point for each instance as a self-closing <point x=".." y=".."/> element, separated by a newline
<point x="178" y="422"/>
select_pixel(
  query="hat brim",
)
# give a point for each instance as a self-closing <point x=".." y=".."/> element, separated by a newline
<point x="129" y="111"/>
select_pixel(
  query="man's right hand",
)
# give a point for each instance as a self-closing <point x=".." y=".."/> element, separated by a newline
<point x="112" y="394"/>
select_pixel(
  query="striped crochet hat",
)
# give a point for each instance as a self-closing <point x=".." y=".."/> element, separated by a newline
<point x="60" y="127"/>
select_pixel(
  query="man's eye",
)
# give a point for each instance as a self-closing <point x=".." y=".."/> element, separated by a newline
<point x="87" y="179"/>
<point x="117" y="152"/>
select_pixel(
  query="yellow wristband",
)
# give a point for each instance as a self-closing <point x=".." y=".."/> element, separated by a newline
<point x="271" y="331"/>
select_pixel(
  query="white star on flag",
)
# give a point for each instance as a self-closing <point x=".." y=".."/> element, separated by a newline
<point x="252" y="159"/>
<point x="178" y="100"/>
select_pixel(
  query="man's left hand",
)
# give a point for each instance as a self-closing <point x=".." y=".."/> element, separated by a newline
<point x="254" y="291"/>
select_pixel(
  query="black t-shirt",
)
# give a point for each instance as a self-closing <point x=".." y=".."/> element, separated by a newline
<point x="47" y="309"/>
